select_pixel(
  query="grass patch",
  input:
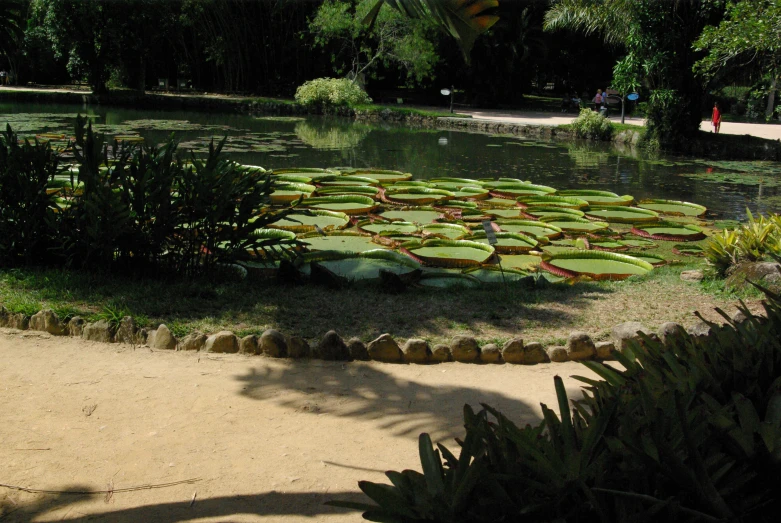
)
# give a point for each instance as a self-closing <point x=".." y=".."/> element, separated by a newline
<point x="408" y="111"/>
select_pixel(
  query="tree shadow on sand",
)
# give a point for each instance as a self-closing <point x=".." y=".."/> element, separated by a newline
<point x="65" y="507"/>
<point x="365" y="392"/>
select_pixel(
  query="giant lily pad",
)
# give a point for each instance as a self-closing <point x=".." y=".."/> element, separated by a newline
<point x="539" y="212"/>
<point x="383" y="175"/>
<point x="382" y="227"/>
<point x="449" y="253"/>
<point x="508" y="242"/>
<point x="512" y="212"/>
<point x="623" y="214"/>
<point x="451" y="231"/>
<point x="601" y="198"/>
<point x="416" y="195"/>
<point x="290" y="192"/>
<point x="364" y="265"/>
<point x="473" y="193"/>
<point x="497" y="274"/>
<point x="520" y="261"/>
<point x="530" y="227"/>
<point x="421" y="216"/>
<point x="455" y="183"/>
<point x="364" y="190"/>
<point x="345" y="180"/>
<point x="595" y="264"/>
<point x="669" y="231"/>
<point x="348" y="204"/>
<point x="300" y="222"/>
<point x="673" y="207"/>
<point x="553" y="201"/>
<point x="340" y="241"/>
<point x="573" y="223"/>
<point x="444" y="280"/>
<point x="514" y="190"/>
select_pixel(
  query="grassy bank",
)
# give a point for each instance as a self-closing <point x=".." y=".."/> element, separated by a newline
<point x="491" y="313"/>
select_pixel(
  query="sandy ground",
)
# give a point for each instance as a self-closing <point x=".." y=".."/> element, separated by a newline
<point x="268" y="440"/>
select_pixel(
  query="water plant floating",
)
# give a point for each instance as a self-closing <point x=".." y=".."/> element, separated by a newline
<point x="669" y="231"/>
<point x="599" y="198"/>
<point x="597" y="265"/>
<point x="616" y="214"/>
<point x="674" y="208"/>
<point x="449" y="253"/>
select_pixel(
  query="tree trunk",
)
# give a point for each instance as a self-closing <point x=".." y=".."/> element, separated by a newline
<point x="141" y="85"/>
<point x="771" y="97"/>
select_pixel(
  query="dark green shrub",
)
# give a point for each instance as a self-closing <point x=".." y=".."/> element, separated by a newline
<point x="27" y="212"/>
<point x="689" y="431"/>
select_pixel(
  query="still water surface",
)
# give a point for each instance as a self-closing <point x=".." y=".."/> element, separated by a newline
<point x="726" y="188"/>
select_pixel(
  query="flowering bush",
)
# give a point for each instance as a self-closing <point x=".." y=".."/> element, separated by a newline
<point x="331" y="91"/>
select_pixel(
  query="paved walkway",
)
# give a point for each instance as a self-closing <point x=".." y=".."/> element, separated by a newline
<point x="769" y="131"/>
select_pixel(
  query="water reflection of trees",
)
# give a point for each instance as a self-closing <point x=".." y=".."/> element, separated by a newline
<point x="330" y="135"/>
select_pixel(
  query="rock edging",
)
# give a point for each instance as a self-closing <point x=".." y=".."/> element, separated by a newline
<point x="272" y="343"/>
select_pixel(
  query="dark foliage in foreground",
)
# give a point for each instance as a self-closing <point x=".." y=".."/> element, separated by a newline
<point x="690" y="431"/>
<point x="133" y="208"/>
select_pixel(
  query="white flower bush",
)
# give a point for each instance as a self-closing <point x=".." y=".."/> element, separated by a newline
<point x="331" y="91"/>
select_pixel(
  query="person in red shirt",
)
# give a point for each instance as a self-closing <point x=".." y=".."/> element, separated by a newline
<point x="716" y="118"/>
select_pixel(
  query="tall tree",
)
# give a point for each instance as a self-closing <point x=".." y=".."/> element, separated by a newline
<point x="657" y="37"/>
<point x="13" y="15"/>
<point x="750" y="33"/>
<point x="392" y="40"/>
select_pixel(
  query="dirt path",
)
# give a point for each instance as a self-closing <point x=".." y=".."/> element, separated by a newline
<point x="270" y="440"/>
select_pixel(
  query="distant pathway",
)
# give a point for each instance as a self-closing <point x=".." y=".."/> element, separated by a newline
<point x="769" y="131"/>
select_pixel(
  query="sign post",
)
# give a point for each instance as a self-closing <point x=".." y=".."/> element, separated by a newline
<point x="449" y="92"/>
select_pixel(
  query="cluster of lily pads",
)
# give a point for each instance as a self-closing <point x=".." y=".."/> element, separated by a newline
<point x="358" y="222"/>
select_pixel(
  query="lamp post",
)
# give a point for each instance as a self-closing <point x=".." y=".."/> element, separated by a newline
<point x="449" y="92"/>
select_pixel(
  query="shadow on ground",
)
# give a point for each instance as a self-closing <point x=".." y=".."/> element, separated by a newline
<point x="365" y="392"/>
<point x="361" y="310"/>
<point x="66" y="507"/>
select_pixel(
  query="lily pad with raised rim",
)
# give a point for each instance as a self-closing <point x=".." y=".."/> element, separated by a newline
<point x="601" y="198"/>
<point x="421" y="216"/>
<point x="363" y="265"/>
<point x="416" y="195"/>
<point x="389" y="227"/>
<point x="348" y="204"/>
<point x="598" y="265"/>
<point x="530" y="227"/>
<point x="508" y="242"/>
<point x="623" y="214"/>
<point x="575" y="224"/>
<point x="669" y="231"/>
<point x="300" y="223"/>
<point x="537" y="213"/>
<point x="553" y="201"/>
<point x="452" y="231"/>
<point x="339" y="241"/>
<point x="449" y="253"/>
<point x="673" y="207"/>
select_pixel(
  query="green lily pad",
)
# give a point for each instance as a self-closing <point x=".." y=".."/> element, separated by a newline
<point x="530" y="227"/>
<point x="573" y="223"/>
<point x="421" y="216"/>
<point x="342" y="242"/>
<point x="637" y="243"/>
<point x="514" y="212"/>
<point x="508" y="242"/>
<point x="379" y="227"/>
<point x="449" y="253"/>
<point x="365" y="265"/>
<point x="496" y="274"/>
<point x="348" y="204"/>
<point x="553" y="201"/>
<point x="299" y="222"/>
<point x="520" y="261"/>
<point x="673" y="207"/>
<point x="600" y="198"/>
<point x="623" y="214"/>
<point x="669" y="231"/>
<point x="450" y="230"/>
<point x="598" y="265"/>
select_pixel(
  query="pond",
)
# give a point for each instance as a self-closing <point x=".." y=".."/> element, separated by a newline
<point x="727" y="189"/>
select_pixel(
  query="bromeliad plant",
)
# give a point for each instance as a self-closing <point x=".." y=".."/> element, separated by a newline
<point x="687" y="431"/>
<point x="759" y="237"/>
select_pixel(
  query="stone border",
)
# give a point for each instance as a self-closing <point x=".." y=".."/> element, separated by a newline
<point x="272" y="343"/>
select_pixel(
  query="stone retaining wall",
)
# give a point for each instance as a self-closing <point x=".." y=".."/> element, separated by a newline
<point x="272" y="343"/>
